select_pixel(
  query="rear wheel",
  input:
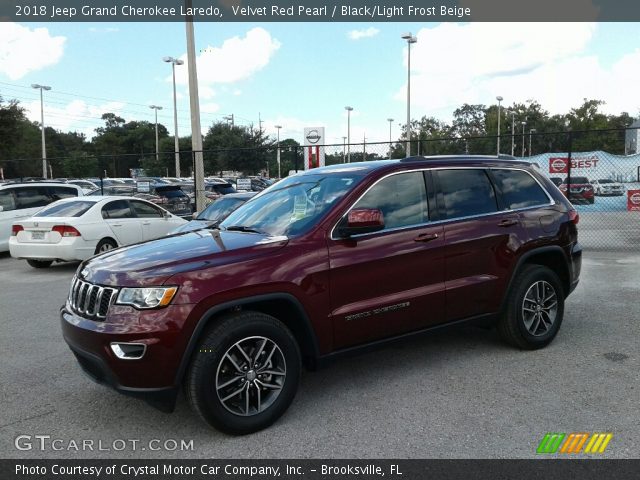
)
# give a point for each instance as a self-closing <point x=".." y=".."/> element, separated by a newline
<point x="244" y="374"/>
<point x="535" y="307"/>
<point x="40" y="263"/>
<point x="105" y="245"/>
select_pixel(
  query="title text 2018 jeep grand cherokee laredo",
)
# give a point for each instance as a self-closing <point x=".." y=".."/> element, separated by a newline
<point x="317" y="265"/>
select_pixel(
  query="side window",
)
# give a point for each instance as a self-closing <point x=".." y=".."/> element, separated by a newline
<point x="466" y="193"/>
<point x="32" y="197"/>
<point x="144" y="210"/>
<point x="402" y="199"/>
<point x="7" y="200"/>
<point x="117" y="209"/>
<point x="519" y="189"/>
<point x="58" y="193"/>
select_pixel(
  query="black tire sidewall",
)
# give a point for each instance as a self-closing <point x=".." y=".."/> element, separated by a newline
<point x="528" y="279"/>
<point x="103" y="242"/>
<point x="211" y="352"/>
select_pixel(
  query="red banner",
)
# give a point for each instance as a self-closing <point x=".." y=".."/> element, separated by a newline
<point x="558" y="165"/>
<point x="633" y="200"/>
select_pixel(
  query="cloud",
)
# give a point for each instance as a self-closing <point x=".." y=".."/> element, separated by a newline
<point x="364" y="33"/>
<point x="454" y="64"/>
<point x="104" y="29"/>
<point x="237" y="59"/>
<point x="24" y="50"/>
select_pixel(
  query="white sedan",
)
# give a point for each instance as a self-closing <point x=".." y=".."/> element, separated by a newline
<point x="78" y="228"/>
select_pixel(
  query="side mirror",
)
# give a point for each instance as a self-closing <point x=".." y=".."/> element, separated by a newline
<point x="362" y="220"/>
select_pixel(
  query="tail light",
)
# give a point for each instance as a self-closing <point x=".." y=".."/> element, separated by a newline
<point x="574" y="217"/>
<point x="66" y="231"/>
<point x="15" y="229"/>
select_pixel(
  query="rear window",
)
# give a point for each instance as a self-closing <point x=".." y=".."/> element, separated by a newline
<point x="170" y="193"/>
<point x="466" y="193"/>
<point x="519" y="189"/>
<point x="222" y="188"/>
<point x="67" y="209"/>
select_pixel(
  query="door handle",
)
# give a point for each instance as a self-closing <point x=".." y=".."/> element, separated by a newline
<point x="146" y="223"/>
<point x="508" y="223"/>
<point x="116" y="224"/>
<point x="426" y="237"/>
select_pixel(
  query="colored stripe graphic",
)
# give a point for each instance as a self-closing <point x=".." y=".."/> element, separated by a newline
<point x="574" y="443"/>
<point x="598" y="443"/>
<point x="550" y="443"/>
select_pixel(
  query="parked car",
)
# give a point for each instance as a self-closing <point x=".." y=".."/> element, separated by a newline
<point x="85" y="185"/>
<point x="604" y="186"/>
<point x="79" y="228"/>
<point x="580" y="190"/>
<point x="21" y="200"/>
<point x="324" y="263"/>
<point x="173" y="199"/>
<point x="215" y="212"/>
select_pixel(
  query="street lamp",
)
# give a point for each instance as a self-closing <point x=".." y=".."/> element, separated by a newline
<point x="348" y="109"/>
<point x="44" y="147"/>
<point x="174" y="62"/>
<point x="390" y="120"/>
<point x="513" y="133"/>
<point x="410" y="39"/>
<point x="278" y="127"/>
<point x="344" y="143"/>
<point x="499" y="98"/>
<point x="156" y="108"/>
<point x="532" y="131"/>
<point x="524" y="126"/>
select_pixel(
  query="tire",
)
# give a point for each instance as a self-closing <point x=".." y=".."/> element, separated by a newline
<point x="219" y="368"/>
<point x="520" y="324"/>
<point x="40" y="263"/>
<point x="105" y="245"/>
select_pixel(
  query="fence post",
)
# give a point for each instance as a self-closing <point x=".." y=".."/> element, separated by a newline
<point x="569" y="152"/>
<point x="295" y="157"/>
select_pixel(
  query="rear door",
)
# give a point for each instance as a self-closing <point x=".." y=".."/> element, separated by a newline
<point x="126" y="228"/>
<point x="154" y="224"/>
<point x="480" y="241"/>
<point x="392" y="281"/>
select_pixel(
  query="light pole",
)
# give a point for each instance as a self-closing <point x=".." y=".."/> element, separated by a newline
<point x="410" y="39"/>
<point x="532" y="131"/>
<point x="156" y="108"/>
<point x="499" y="98"/>
<point x="174" y="62"/>
<point x="524" y="126"/>
<point x="344" y="143"/>
<point x="44" y="147"/>
<point x="513" y="133"/>
<point x="348" y="109"/>
<point x="278" y="127"/>
<point x="390" y="120"/>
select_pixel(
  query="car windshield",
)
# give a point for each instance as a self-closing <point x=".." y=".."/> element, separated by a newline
<point x="292" y="206"/>
<point x="220" y="209"/>
<point x="66" y="209"/>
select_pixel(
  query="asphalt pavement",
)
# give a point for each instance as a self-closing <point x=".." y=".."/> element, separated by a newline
<point x="455" y="394"/>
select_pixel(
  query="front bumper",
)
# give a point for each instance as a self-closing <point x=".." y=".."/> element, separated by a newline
<point x="161" y="331"/>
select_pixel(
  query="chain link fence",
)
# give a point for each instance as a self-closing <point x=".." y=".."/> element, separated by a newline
<point x="599" y="170"/>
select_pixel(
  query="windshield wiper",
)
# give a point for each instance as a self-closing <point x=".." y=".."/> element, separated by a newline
<point x="243" y="228"/>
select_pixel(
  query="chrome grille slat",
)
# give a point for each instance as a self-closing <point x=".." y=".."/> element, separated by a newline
<point x="89" y="300"/>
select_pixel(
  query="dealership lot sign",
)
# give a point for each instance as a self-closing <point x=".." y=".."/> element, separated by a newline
<point x="313" y="147"/>
<point x="561" y="164"/>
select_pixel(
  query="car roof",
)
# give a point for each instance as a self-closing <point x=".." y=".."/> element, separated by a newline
<point x="39" y="184"/>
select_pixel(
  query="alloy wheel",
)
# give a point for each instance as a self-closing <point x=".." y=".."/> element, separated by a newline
<point x="539" y="308"/>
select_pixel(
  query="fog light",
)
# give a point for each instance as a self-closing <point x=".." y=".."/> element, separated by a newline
<point x="129" y="351"/>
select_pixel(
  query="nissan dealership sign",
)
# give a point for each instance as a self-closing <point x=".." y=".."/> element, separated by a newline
<point x="314" y="141"/>
<point x="561" y="164"/>
<point x="633" y="200"/>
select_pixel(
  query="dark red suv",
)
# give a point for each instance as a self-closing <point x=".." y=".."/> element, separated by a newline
<point x="321" y="264"/>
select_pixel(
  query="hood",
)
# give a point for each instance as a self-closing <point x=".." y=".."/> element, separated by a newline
<point x="153" y="262"/>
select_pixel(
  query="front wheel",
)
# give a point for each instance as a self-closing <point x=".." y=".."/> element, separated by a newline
<point x="534" y="310"/>
<point x="244" y="374"/>
<point x="40" y="263"/>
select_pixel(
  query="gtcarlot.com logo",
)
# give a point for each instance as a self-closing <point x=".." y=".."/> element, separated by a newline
<point x="48" y="443"/>
<point x="574" y="443"/>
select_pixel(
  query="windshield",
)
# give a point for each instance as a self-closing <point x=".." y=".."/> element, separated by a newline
<point x="67" y="209"/>
<point x="605" y="181"/>
<point x="220" y="209"/>
<point x="292" y="206"/>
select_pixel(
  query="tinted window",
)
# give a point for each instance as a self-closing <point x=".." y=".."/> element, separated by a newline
<point x="402" y="199"/>
<point x="466" y="193"/>
<point x="519" y="189"/>
<point x="117" y="209"/>
<point x="144" y="210"/>
<point x="32" y="197"/>
<point x="67" y="209"/>
<point x="7" y="201"/>
<point x="171" y="193"/>
<point x="220" y="188"/>
<point x="59" y="193"/>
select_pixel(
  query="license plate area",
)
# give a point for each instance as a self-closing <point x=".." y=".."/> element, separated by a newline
<point x="37" y="235"/>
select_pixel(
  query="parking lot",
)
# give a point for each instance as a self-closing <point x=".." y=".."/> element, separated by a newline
<point x="454" y="394"/>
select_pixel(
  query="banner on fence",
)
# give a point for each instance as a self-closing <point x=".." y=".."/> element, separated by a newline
<point x="314" y="141"/>
<point x="633" y="200"/>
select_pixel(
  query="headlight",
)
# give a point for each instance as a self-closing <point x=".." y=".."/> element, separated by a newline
<point x="151" y="297"/>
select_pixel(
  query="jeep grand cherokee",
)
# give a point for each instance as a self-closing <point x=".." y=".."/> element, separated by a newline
<point x="323" y="263"/>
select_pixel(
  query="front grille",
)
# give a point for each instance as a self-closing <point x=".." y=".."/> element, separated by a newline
<point x="89" y="300"/>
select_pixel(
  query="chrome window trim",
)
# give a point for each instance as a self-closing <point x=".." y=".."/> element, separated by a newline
<point x="439" y="222"/>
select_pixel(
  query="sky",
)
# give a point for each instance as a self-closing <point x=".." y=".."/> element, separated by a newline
<point x="303" y="74"/>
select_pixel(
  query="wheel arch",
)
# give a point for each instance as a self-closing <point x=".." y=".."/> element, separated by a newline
<point x="283" y="306"/>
